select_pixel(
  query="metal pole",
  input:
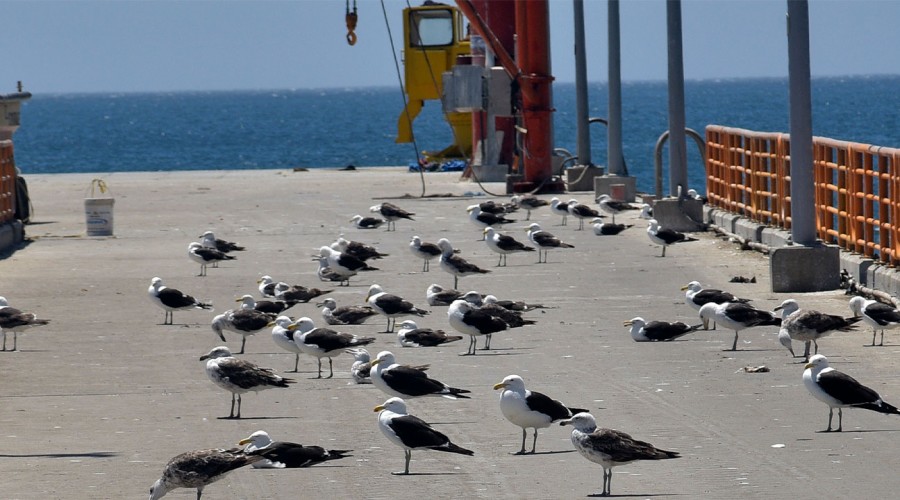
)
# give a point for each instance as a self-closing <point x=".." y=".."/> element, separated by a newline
<point x="677" y="140"/>
<point x="614" y="129"/>
<point x="581" y="91"/>
<point x="803" y="215"/>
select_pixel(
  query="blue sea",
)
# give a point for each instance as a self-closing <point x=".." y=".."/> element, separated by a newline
<point x="332" y="128"/>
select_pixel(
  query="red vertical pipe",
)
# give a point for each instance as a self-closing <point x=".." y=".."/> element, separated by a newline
<point x="535" y="80"/>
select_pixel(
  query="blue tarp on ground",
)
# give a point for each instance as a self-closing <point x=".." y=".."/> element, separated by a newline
<point x="447" y="166"/>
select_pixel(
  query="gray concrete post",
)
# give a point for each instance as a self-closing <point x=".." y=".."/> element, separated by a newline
<point x="614" y="128"/>
<point x="803" y="216"/>
<point x="677" y="139"/>
<point x="581" y="91"/>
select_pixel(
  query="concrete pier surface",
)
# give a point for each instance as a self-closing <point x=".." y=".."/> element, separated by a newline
<point x="94" y="404"/>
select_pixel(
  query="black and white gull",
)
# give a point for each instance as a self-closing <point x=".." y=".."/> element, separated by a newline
<point x="344" y="315"/>
<point x="581" y="212"/>
<point x="209" y="240"/>
<point x="198" y="469"/>
<point x="239" y="376"/>
<point x="410" y="335"/>
<point x="324" y="342"/>
<point x="294" y="294"/>
<point x="503" y="244"/>
<point x="608" y="228"/>
<point x="345" y="266"/>
<point x="286" y="455"/>
<point x="878" y="315"/>
<point x="411" y="433"/>
<point x="530" y="409"/>
<point x="664" y="237"/>
<point x="436" y="295"/>
<point x="206" y="256"/>
<point x="357" y="249"/>
<point x="361" y="369"/>
<point x="529" y="203"/>
<point x="610" y="448"/>
<point x="391" y="306"/>
<point x="560" y="208"/>
<point x="265" y="306"/>
<point x="266" y="286"/>
<point x="613" y="207"/>
<point x="16" y="321"/>
<point x="839" y="390"/>
<point x="283" y="336"/>
<point x="425" y="251"/>
<point x="544" y="241"/>
<point x="172" y="299"/>
<point x="406" y="381"/>
<point x="658" y="331"/>
<point x="696" y="296"/>
<point x="468" y="319"/>
<point x="367" y="222"/>
<point x="484" y="219"/>
<point x="737" y="316"/>
<point x="391" y="214"/>
<point x="456" y="265"/>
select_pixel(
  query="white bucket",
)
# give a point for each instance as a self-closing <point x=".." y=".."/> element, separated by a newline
<point x="98" y="212"/>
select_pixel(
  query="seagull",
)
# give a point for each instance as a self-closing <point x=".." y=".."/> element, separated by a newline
<point x="294" y="294"/>
<point x="359" y="250"/>
<point x="491" y="207"/>
<point x="206" y="256"/>
<point x="14" y="320"/>
<point x="694" y="195"/>
<point x="198" y="469"/>
<point x="696" y="296"/>
<point x="503" y="244"/>
<point x="613" y="207"/>
<point x="456" y="265"/>
<point x="367" y="222"/>
<point x="285" y="455"/>
<point x="646" y="212"/>
<point x="875" y="314"/>
<point x="529" y="203"/>
<point x="513" y="305"/>
<point x="544" y="240"/>
<point x="345" y="266"/>
<point x="410" y="335"/>
<point x="470" y="320"/>
<point x="484" y="219"/>
<point x="283" y="336"/>
<point x="391" y="213"/>
<point x="809" y="326"/>
<point x="560" y="208"/>
<point x="209" y="240"/>
<point x="582" y="212"/>
<point x="425" y="251"/>
<point x="265" y="306"/>
<point x="238" y="376"/>
<point x="344" y="315"/>
<point x="526" y="408"/>
<point x="391" y="306"/>
<point x="489" y="305"/>
<point x="658" y="331"/>
<point x="408" y="381"/>
<point x="266" y="286"/>
<point x="839" y="390"/>
<point x="665" y="237"/>
<point x="736" y="316"/>
<point x="245" y="322"/>
<point x="609" y="447"/>
<point x="411" y="433"/>
<point x="171" y="299"/>
<point x="608" y="229"/>
<point x="361" y="368"/>
<point x="438" y="296"/>
<point x="325" y="343"/>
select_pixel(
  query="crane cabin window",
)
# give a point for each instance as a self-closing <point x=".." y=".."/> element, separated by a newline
<point x="431" y="28"/>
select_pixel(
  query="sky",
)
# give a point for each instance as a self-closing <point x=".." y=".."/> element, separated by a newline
<point x="153" y="45"/>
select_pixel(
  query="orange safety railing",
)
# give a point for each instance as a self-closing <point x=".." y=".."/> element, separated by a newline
<point x="7" y="182"/>
<point x="749" y="173"/>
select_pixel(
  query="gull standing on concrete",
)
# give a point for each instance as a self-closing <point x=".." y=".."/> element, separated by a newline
<point x="238" y="376"/>
<point x="171" y="299"/>
<point x="529" y="203"/>
<point x="665" y="237"/>
<point x="198" y="469"/>
<point x="283" y="336"/>
<point x="456" y="265"/>
<point x="468" y="319"/>
<point x="205" y="256"/>
<point x="345" y="266"/>
<point x="245" y="322"/>
<point x="391" y="306"/>
<point x="503" y="244"/>
<point x="610" y="448"/>
<point x="483" y="219"/>
<point x="425" y="251"/>
<point x="265" y="306"/>
<point x="810" y="326"/>
<point x="560" y="208"/>
<point x="391" y="213"/>
<point x="582" y="212"/>
<point x="325" y="343"/>
<point x="613" y="207"/>
<point x="529" y="409"/>
<point x="736" y="316"/>
<point x="411" y="433"/>
<point x="544" y="240"/>
<point x="15" y="321"/>
<point x="875" y="314"/>
<point x="839" y="390"/>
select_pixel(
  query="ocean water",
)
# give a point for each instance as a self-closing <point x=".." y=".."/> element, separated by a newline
<point x="329" y="128"/>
